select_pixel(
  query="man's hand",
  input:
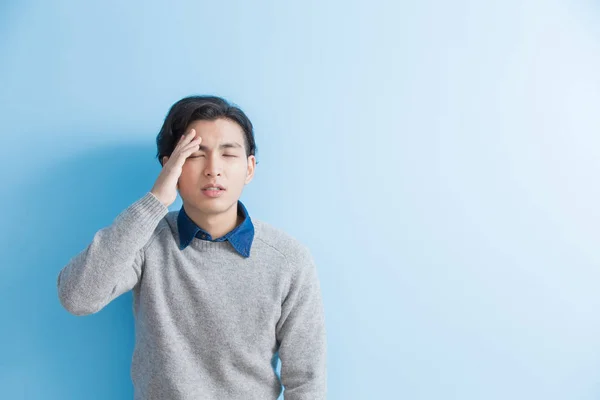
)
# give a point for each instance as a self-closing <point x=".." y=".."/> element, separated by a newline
<point x="165" y="187"/>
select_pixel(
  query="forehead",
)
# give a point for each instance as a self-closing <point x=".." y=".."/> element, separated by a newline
<point x="218" y="130"/>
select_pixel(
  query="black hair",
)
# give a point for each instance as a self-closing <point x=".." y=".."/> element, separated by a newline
<point x="194" y="108"/>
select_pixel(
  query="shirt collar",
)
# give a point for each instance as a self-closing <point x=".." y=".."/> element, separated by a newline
<point x="240" y="237"/>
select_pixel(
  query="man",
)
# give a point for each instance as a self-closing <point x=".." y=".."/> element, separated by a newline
<point x="217" y="296"/>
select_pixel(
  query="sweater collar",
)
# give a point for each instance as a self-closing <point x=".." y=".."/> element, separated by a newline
<point x="240" y="237"/>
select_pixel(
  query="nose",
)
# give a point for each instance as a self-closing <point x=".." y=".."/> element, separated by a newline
<point x="213" y="166"/>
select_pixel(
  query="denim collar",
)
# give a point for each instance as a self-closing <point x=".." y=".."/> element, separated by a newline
<point x="240" y="237"/>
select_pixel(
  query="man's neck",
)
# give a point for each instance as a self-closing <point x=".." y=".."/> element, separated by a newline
<point x="216" y="225"/>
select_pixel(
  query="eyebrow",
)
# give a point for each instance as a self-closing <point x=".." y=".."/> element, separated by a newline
<point x="230" y="145"/>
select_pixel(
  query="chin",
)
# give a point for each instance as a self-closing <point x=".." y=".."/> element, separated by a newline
<point x="209" y="205"/>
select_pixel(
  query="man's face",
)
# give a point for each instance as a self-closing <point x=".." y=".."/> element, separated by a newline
<point x="214" y="163"/>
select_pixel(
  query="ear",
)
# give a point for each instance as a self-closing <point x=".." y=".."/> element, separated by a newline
<point x="164" y="160"/>
<point x="250" y="170"/>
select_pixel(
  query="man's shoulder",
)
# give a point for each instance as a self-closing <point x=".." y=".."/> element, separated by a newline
<point x="279" y="239"/>
<point x="165" y="229"/>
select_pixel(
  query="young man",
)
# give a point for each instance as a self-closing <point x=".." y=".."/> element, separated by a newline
<point x="217" y="296"/>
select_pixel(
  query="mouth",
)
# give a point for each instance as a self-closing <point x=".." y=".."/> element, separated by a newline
<point x="213" y="192"/>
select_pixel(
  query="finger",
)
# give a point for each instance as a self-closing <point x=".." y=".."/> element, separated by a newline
<point x="191" y="134"/>
<point x="194" y="142"/>
<point x="187" y="137"/>
<point x="193" y="146"/>
<point x="184" y="153"/>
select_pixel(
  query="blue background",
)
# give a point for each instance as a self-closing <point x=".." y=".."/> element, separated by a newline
<point x="439" y="158"/>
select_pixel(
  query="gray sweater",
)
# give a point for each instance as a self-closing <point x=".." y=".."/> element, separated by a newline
<point x="209" y="323"/>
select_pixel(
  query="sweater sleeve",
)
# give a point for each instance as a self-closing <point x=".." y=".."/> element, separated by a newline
<point x="301" y="334"/>
<point x="112" y="263"/>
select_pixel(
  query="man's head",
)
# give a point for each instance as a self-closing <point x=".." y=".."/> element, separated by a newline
<point x="226" y="155"/>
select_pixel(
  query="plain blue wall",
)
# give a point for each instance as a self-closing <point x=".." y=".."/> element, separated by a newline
<point x="439" y="158"/>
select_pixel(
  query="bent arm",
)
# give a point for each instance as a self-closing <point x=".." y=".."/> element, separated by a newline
<point x="112" y="263"/>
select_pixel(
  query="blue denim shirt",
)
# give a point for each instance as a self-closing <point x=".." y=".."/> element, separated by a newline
<point x="240" y="238"/>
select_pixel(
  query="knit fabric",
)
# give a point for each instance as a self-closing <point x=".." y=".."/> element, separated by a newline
<point x="209" y="322"/>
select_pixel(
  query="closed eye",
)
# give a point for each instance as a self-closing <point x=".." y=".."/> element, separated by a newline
<point x="202" y="155"/>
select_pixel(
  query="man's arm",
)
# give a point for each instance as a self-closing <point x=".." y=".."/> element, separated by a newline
<point x="301" y="334"/>
<point x="112" y="263"/>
